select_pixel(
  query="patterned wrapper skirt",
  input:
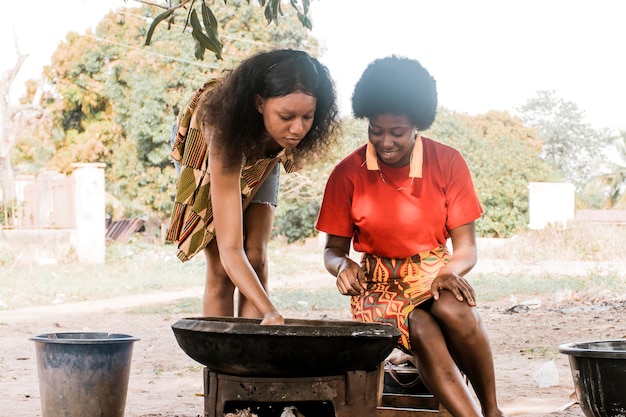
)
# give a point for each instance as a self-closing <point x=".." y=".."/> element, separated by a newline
<point x="396" y="286"/>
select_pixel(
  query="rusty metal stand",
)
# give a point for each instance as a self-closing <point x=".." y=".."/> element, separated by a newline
<point x="403" y="405"/>
<point x="355" y="393"/>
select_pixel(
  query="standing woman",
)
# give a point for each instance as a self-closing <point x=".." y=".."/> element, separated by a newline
<point x="275" y="107"/>
<point x="397" y="200"/>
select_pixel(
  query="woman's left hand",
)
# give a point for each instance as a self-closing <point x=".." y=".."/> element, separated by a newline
<point x="449" y="280"/>
<point x="451" y="277"/>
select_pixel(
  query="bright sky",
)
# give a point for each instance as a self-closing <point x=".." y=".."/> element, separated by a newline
<point x="484" y="54"/>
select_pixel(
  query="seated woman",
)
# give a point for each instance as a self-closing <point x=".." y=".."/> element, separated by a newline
<point x="397" y="199"/>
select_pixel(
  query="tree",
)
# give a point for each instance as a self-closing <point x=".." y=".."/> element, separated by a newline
<point x="569" y="143"/>
<point x="7" y="128"/>
<point x="114" y="102"/>
<point x="13" y="120"/>
<point x="502" y="155"/>
<point x="613" y="181"/>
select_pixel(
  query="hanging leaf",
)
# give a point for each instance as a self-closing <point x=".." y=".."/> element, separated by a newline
<point x="211" y="43"/>
<point x="210" y="22"/>
<point x="306" y="22"/>
<point x="302" y="14"/>
<point x="275" y="9"/>
<point x="268" y="14"/>
<point x="198" y="49"/>
<point x="154" y="24"/>
<point x="194" y="21"/>
<point x="210" y="25"/>
<point x="207" y="43"/>
<point x="212" y="35"/>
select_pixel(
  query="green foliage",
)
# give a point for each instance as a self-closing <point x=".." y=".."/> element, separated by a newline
<point x="206" y="33"/>
<point x="298" y="205"/>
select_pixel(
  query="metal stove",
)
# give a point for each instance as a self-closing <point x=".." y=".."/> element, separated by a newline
<point x="354" y="393"/>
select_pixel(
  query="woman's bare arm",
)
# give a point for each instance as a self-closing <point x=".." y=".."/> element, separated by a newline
<point x="228" y="219"/>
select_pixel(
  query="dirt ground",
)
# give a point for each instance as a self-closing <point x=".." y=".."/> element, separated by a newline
<point x="525" y="335"/>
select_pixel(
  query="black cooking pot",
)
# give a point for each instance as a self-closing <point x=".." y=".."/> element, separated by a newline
<point x="300" y="348"/>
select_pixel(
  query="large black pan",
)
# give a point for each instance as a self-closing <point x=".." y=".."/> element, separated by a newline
<point x="300" y="348"/>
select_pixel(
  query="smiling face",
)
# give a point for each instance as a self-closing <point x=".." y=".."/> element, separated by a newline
<point x="288" y="118"/>
<point x="393" y="138"/>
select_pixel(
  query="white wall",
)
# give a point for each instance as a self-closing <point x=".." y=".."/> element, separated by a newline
<point x="550" y="203"/>
<point x="90" y="212"/>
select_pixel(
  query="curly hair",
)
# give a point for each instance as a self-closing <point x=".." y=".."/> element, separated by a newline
<point x="230" y="109"/>
<point x="396" y="85"/>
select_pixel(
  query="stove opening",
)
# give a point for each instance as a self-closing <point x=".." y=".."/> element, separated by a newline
<point x="282" y="409"/>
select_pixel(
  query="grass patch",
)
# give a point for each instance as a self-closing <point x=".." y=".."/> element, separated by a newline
<point x="141" y="268"/>
<point x="491" y="287"/>
<point x="307" y="300"/>
<point x="286" y="299"/>
<point x="129" y="269"/>
<point x="182" y="307"/>
<point x="579" y="242"/>
<point x="292" y="259"/>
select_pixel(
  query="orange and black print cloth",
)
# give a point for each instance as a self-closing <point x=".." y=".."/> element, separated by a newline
<point x="396" y="286"/>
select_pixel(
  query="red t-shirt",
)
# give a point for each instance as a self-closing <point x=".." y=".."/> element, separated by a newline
<point x="388" y="214"/>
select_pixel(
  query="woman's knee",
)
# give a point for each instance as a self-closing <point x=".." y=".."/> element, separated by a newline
<point x="258" y="231"/>
<point x="257" y="256"/>
<point x="454" y="314"/>
<point x="421" y="325"/>
<point x="217" y="280"/>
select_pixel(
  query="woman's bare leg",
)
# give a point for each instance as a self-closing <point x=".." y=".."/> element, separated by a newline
<point x="437" y="367"/>
<point x="469" y="343"/>
<point x="218" y="289"/>
<point x="258" y="221"/>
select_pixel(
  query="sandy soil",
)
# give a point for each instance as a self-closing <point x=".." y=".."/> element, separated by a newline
<point x="525" y="335"/>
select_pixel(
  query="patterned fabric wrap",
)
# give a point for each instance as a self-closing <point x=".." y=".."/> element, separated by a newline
<point x="396" y="286"/>
<point x="191" y="222"/>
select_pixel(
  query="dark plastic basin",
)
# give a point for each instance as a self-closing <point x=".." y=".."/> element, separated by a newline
<point x="300" y="348"/>
<point x="599" y="372"/>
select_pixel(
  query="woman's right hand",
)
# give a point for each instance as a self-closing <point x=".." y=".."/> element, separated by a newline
<point x="273" y="318"/>
<point x="350" y="276"/>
